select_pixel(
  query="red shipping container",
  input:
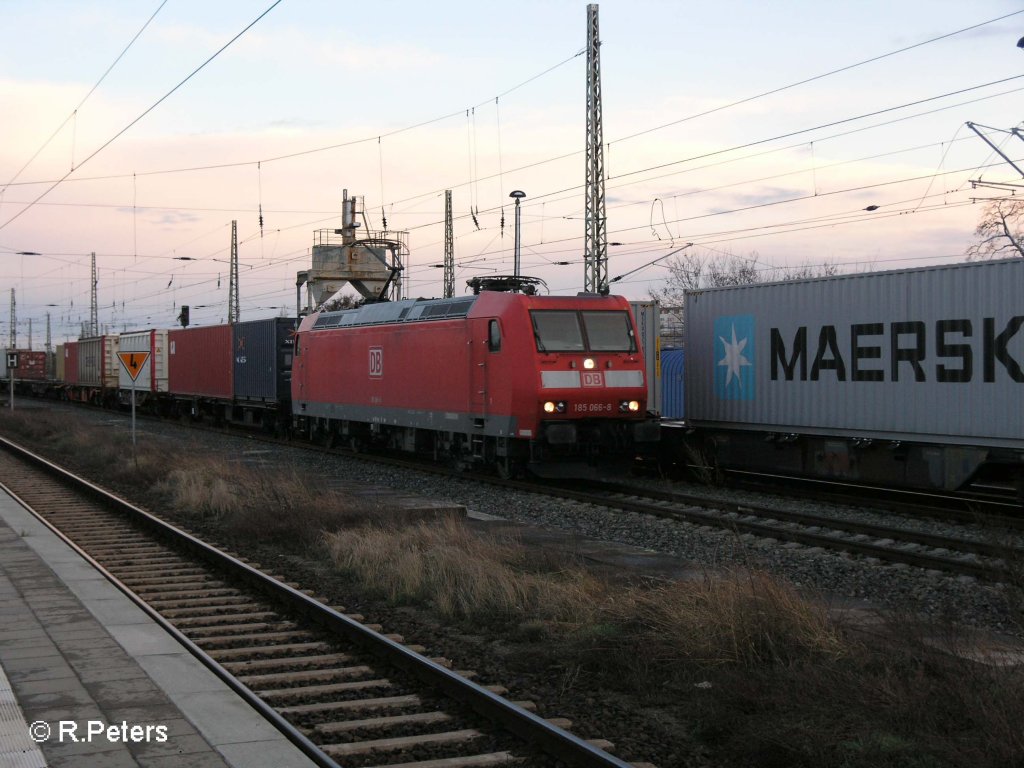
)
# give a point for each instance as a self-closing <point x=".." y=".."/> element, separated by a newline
<point x="31" y="366"/>
<point x="71" y="362"/>
<point x="199" y="362"/>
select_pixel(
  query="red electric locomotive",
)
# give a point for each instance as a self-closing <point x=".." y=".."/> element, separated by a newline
<point x="505" y="379"/>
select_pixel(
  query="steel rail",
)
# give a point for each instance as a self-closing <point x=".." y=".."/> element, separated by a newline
<point x="536" y="731"/>
<point x="697" y="515"/>
<point x="852" y="526"/>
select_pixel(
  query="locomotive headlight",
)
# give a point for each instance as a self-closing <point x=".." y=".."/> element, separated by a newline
<point x="555" y="407"/>
<point x="631" y="406"/>
<point x="634" y="405"/>
<point x="588" y="363"/>
<point x="549" y="407"/>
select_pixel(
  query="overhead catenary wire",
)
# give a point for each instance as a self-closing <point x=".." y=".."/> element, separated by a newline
<point x="477" y="179"/>
<point x="74" y="112"/>
<point x="157" y="103"/>
<point x="821" y="76"/>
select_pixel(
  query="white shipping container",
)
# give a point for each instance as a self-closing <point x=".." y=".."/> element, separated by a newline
<point x="647" y="316"/>
<point x="932" y="354"/>
<point x="152" y="377"/>
<point x="97" y="362"/>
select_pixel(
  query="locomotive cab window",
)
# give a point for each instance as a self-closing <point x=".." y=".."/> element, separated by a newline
<point x="609" y="332"/>
<point x="593" y="331"/>
<point x="557" y="331"/>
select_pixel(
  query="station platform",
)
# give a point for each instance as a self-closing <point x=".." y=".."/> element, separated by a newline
<point x="88" y="679"/>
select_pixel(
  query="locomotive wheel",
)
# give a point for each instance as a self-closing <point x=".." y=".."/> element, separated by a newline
<point x="508" y="469"/>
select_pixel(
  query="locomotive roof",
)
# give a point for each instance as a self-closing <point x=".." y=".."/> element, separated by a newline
<point x="407" y="310"/>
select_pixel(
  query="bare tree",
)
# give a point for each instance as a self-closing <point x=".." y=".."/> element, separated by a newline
<point x="691" y="271"/>
<point x="345" y="301"/>
<point x="1000" y="230"/>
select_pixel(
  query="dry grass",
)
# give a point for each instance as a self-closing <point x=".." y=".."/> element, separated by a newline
<point x="252" y="502"/>
<point x="762" y="676"/>
<point x="737" y="617"/>
<point x="249" y="502"/>
<point x="462" y="575"/>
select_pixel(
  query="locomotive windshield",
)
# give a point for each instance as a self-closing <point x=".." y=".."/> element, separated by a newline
<point x="570" y="331"/>
<point x="557" y="331"/>
<point x="609" y="332"/>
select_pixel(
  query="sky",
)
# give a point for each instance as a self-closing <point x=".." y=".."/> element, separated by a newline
<point x="763" y="130"/>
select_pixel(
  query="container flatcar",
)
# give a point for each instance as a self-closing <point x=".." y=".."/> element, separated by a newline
<point x="151" y="377"/>
<point x="31" y="365"/>
<point x="200" y="368"/>
<point x="98" y="369"/>
<point x="910" y="376"/>
<point x="261" y="371"/>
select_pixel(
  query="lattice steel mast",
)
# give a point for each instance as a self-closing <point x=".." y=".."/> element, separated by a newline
<point x="234" y="308"/>
<point x="449" y="247"/>
<point x="94" y="306"/>
<point x="595" y="248"/>
<point x="14" y="324"/>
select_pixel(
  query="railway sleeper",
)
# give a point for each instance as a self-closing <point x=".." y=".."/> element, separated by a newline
<point x="214" y="607"/>
<point x="402" y="743"/>
<point x="240" y="668"/>
<point x="112" y="562"/>
<point x="309" y="676"/>
<point x="332" y="689"/>
<point x="155" y="575"/>
<point x="406" y="701"/>
<point x="236" y="640"/>
<point x="388" y="721"/>
<point x="221" y="619"/>
<point x="266" y="651"/>
<point x="204" y="584"/>
<point x="156" y="565"/>
<point x="469" y="761"/>
<point x="259" y="626"/>
<point x="184" y="595"/>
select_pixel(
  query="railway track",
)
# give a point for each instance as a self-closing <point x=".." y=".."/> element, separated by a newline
<point x="992" y="561"/>
<point x="986" y="560"/>
<point x="339" y="689"/>
<point x="995" y="508"/>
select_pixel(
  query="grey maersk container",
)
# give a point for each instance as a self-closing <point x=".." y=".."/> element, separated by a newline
<point x="932" y="355"/>
<point x="262" y="351"/>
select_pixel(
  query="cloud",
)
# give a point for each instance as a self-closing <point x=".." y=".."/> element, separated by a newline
<point x="161" y="217"/>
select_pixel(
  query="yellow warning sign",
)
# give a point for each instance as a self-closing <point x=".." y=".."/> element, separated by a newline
<point x="133" y="362"/>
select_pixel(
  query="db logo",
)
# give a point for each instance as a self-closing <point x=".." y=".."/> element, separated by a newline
<point x="376" y="362"/>
<point x="593" y="379"/>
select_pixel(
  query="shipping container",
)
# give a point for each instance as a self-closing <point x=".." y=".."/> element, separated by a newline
<point x="58" y="363"/>
<point x="647" y="317"/>
<point x="98" y="366"/>
<point x="199" y="362"/>
<point x="70" y="353"/>
<point x="31" y="365"/>
<point x="150" y="372"/>
<point x="933" y="354"/>
<point x="262" y="362"/>
<point x="672" y="384"/>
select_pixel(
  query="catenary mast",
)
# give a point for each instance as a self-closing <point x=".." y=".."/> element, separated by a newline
<point x="595" y="255"/>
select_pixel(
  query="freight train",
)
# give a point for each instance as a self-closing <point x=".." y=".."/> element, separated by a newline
<point x="553" y="385"/>
<point x="905" y="378"/>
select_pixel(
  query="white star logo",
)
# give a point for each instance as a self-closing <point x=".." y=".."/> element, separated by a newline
<point x="734" y="359"/>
